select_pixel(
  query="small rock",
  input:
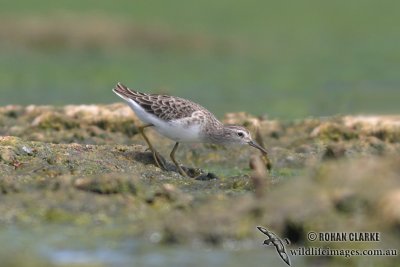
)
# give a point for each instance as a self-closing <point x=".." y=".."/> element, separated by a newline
<point x="7" y="155"/>
<point x="334" y="151"/>
<point x="27" y="150"/>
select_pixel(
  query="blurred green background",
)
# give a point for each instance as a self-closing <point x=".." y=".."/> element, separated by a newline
<point x="287" y="59"/>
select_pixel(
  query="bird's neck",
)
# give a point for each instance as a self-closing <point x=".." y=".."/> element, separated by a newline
<point x="217" y="134"/>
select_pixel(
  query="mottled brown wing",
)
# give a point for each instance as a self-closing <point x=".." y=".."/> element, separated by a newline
<point x="167" y="107"/>
<point x="163" y="106"/>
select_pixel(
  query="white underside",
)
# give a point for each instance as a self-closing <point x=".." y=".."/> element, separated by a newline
<point x="174" y="129"/>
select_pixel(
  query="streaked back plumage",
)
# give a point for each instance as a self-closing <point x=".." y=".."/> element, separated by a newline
<point x="164" y="107"/>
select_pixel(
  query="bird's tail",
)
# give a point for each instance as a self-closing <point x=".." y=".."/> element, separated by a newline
<point x="124" y="92"/>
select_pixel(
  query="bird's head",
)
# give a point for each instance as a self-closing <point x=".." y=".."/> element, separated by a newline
<point x="234" y="134"/>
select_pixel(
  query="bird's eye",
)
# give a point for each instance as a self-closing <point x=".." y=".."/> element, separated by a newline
<point x="240" y="134"/>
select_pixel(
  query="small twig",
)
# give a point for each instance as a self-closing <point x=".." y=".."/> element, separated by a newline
<point x="258" y="176"/>
<point x="260" y="141"/>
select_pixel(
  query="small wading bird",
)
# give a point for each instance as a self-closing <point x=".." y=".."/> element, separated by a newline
<point x="182" y="121"/>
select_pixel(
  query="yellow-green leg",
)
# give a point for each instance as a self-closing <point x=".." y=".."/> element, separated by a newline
<point x="160" y="161"/>
<point x="172" y="155"/>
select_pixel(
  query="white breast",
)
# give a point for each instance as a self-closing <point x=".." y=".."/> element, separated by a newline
<point x="175" y="129"/>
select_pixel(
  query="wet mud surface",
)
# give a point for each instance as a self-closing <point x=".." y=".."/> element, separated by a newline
<point x="86" y="166"/>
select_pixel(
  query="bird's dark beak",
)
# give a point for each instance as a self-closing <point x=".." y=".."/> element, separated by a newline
<point x="254" y="144"/>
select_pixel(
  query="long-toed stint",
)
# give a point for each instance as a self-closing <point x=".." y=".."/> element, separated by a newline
<point x="182" y="121"/>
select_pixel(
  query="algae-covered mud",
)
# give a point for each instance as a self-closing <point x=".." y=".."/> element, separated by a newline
<point x="79" y="188"/>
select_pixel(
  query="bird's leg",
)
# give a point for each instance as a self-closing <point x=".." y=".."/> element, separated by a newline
<point x="172" y="155"/>
<point x="160" y="161"/>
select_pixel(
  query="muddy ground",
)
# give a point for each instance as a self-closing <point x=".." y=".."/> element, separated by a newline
<point x="87" y="166"/>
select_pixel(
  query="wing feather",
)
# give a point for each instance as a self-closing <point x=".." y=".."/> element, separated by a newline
<point x="163" y="106"/>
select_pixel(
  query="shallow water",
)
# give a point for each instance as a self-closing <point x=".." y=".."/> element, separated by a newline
<point x="70" y="246"/>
